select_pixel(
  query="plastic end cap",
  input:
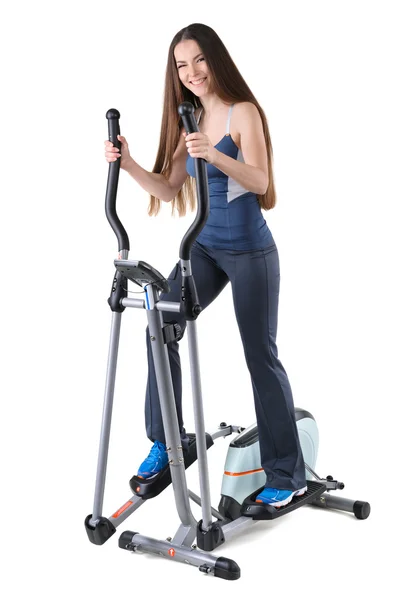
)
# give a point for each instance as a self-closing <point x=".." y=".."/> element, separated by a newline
<point x="361" y="509"/>
<point x="185" y="108"/>
<point x="112" y="113"/>
<point x="225" y="568"/>
<point x="125" y="539"/>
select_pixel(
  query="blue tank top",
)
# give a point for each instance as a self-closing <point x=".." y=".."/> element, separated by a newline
<point x="235" y="220"/>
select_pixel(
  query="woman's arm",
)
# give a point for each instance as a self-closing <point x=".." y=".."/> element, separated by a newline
<point x="156" y="183"/>
<point x="251" y="175"/>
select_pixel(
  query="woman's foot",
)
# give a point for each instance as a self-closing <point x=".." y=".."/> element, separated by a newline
<point x="155" y="461"/>
<point x="278" y="498"/>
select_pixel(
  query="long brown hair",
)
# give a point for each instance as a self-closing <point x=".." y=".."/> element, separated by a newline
<point x="228" y="84"/>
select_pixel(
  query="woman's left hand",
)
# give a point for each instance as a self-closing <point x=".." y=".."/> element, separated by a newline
<point x="199" y="146"/>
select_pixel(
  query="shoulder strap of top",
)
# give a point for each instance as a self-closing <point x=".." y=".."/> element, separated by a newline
<point x="228" y="120"/>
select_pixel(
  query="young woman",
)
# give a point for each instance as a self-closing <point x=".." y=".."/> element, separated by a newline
<point x="234" y="246"/>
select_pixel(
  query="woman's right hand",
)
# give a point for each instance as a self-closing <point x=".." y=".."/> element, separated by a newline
<point x="112" y="153"/>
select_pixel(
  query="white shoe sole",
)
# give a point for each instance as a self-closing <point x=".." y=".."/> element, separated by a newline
<point x="288" y="500"/>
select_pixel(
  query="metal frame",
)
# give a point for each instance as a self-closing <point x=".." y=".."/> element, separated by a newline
<point x="181" y="547"/>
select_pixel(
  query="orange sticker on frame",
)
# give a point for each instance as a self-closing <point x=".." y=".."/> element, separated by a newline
<point x="122" y="509"/>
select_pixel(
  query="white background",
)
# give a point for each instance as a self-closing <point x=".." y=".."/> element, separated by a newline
<point x="325" y="74"/>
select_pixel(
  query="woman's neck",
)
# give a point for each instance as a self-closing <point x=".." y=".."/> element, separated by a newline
<point x="212" y="104"/>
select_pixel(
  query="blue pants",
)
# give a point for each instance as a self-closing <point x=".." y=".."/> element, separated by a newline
<point x="255" y="281"/>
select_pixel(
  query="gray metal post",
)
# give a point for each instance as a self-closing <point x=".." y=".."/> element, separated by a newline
<point x="107" y="416"/>
<point x="168" y="409"/>
<point x="199" y="426"/>
<point x="198" y="412"/>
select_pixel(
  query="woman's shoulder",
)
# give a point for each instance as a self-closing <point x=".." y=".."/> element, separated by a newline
<point x="246" y="114"/>
<point x="246" y="108"/>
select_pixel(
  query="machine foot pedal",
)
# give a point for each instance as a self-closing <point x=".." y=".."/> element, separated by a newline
<point x="149" y="488"/>
<point x="263" y="512"/>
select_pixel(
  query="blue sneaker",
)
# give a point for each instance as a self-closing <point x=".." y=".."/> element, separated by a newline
<point x="155" y="461"/>
<point x="278" y="498"/>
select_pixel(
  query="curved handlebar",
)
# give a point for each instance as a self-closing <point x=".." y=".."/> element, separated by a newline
<point x="113" y="117"/>
<point x="186" y="111"/>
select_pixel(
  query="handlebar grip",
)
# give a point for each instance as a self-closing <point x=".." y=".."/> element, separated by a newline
<point x="113" y="117"/>
<point x="186" y="111"/>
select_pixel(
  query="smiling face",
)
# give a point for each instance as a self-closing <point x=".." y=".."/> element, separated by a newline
<point x="192" y="68"/>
